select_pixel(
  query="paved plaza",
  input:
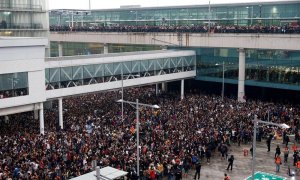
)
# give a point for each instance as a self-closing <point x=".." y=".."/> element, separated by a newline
<point x="242" y="164"/>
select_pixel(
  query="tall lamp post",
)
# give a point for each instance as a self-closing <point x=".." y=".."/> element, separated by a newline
<point x="256" y="121"/>
<point x="223" y="81"/>
<point x="122" y="84"/>
<point x="137" y="104"/>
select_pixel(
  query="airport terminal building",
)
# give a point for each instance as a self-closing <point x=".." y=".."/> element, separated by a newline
<point x="270" y="68"/>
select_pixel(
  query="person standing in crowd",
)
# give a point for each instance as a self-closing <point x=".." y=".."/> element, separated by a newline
<point x="287" y="140"/>
<point x="297" y="167"/>
<point x="277" y="151"/>
<point x="178" y="173"/>
<point x="230" y="162"/>
<point x="226" y="177"/>
<point x="295" y="157"/>
<point x="277" y="163"/>
<point x="286" y="154"/>
<point x="198" y="169"/>
<point x="208" y="155"/>
<point x="269" y="139"/>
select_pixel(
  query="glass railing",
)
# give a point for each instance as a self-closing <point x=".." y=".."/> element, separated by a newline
<point x="20" y="6"/>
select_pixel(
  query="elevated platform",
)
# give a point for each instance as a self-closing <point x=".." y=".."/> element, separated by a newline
<point x="68" y="76"/>
<point x="209" y="40"/>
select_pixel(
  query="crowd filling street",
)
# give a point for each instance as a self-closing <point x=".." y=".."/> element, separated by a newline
<point x="175" y="140"/>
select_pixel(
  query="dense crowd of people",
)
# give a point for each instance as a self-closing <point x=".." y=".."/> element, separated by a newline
<point x="173" y="139"/>
<point x="285" y="29"/>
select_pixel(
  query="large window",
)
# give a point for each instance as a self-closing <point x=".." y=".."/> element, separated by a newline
<point x="239" y="14"/>
<point x="13" y="84"/>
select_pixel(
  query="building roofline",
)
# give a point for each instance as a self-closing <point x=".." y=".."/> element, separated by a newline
<point x="191" y="6"/>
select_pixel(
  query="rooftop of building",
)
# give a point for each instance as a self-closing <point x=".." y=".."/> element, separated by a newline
<point x="191" y="6"/>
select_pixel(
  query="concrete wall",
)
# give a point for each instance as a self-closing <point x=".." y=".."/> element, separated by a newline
<point x="248" y="41"/>
<point x="24" y="55"/>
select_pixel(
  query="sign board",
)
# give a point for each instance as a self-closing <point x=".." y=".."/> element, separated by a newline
<point x="265" y="176"/>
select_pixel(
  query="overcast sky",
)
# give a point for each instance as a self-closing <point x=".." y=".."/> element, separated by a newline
<point x="106" y="4"/>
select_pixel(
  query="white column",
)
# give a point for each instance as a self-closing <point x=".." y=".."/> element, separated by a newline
<point x="105" y="49"/>
<point x="156" y="89"/>
<point x="42" y="126"/>
<point x="164" y="87"/>
<point x="241" y="83"/>
<point x="36" y="114"/>
<point x="182" y="89"/>
<point x="60" y="49"/>
<point x="60" y="112"/>
<point x="6" y="119"/>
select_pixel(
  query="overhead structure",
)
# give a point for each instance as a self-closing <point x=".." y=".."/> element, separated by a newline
<point x="106" y="173"/>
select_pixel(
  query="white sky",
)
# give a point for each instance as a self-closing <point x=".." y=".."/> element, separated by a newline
<point x="106" y="4"/>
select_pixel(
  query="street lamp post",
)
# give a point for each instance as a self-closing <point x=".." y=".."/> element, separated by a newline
<point x="122" y="84"/>
<point x="137" y="105"/>
<point x="122" y="94"/>
<point x="256" y="121"/>
<point x="223" y="81"/>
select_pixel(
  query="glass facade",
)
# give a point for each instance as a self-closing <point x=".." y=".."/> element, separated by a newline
<point x="257" y="13"/>
<point x="266" y="68"/>
<point x="13" y="85"/>
<point x="24" y="18"/>
<point x="73" y="48"/>
<point x="65" y="77"/>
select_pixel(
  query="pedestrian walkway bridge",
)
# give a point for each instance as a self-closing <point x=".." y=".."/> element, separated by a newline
<point x="74" y="75"/>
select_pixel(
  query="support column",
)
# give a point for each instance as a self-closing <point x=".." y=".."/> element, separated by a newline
<point x="60" y="49"/>
<point x="60" y="112"/>
<point x="42" y="126"/>
<point x="241" y="83"/>
<point x="156" y="89"/>
<point x="105" y="49"/>
<point x="6" y="119"/>
<point x="36" y="114"/>
<point x="182" y="89"/>
<point x="164" y="87"/>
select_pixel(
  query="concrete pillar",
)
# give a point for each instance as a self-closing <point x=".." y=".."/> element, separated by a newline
<point x="6" y="119"/>
<point x="164" y="87"/>
<point x="60" y="111"/>
<point x="182" y="89"/>
<point x="36" y="114"/>
<point x="242" y="70"/>
<point x="42" y="124"/>
<point x="60" y="49"/>
<point x="156" y="89"/>
<point x="105" y="49"/>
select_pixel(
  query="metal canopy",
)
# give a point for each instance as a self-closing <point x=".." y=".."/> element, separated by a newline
<point x="106" y="173"/>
